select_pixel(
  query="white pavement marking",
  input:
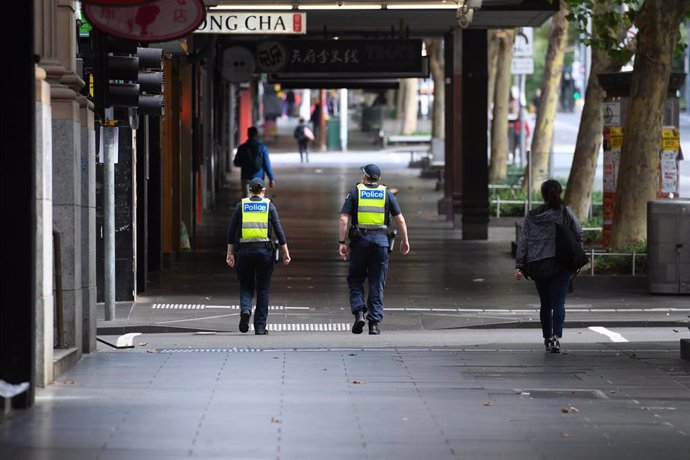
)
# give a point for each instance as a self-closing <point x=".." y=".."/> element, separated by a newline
<point x="614" y="336"/>
<point x="126" y="340"/>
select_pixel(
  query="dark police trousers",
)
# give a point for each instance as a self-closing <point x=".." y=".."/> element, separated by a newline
<point x="369" y="261"/>
<point x="254" y="270"/>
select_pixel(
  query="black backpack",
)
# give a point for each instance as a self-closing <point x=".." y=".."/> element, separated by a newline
<point x="253" y="156"/>
<point x="569" y="253"/>
<point x="299" y="133"/>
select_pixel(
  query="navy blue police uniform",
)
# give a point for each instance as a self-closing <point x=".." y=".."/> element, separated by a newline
<point x="255" y="259"/>
<point x="369" y="253"/>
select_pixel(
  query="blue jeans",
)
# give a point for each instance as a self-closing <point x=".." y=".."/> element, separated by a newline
<point x="254" y="270"/>
<point x="552" y="294"/>
<point x="368" y="261"/>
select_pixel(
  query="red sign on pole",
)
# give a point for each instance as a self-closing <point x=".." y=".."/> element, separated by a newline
<point x="297" y="22"/>
<point x="155" y="21"/>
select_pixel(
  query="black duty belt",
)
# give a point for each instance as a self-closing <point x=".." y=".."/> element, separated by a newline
<point x="373" y="231"/>
<point x="258" y="244"/>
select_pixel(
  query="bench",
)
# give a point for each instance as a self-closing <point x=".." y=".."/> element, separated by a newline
<point x="9" y="391"/>
<point x="434" y="165"/>
<point x="414" y="143"/>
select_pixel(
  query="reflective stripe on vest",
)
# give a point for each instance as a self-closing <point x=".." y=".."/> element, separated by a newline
<point x="371" y="206"/>
<point x="254" y="220"/>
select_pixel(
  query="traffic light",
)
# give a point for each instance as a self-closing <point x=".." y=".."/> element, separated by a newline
<point x="576" y="93"/>
<point x="126" y="75"/>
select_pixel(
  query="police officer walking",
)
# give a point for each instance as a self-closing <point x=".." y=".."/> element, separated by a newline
<point x="369" y="206"/>
<point x="251" y="250"/>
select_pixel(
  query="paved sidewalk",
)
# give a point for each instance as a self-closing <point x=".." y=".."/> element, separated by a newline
<point x="444" y="283"/>
<point x="597" y="401"/>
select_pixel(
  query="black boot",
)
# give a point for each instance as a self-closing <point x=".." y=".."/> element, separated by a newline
<point x="359" y="322"/>
<point x="374" y="328"/>
<point x="244" y="320"/>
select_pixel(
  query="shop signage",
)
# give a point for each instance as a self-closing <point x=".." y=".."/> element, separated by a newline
<point x="342" y="57"/>
<point x="155" y="21"/>
<point x="248" y="23"/>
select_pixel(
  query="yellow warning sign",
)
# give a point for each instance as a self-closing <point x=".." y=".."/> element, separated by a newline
<point x="616" y="137"/>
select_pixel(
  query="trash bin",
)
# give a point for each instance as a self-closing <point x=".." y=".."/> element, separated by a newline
<point x="333" y="138"/>
<point x="668" y="246"/>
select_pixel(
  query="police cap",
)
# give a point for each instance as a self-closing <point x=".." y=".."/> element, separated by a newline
<point x="256" y="183"/>
<point x="372" y="170"/>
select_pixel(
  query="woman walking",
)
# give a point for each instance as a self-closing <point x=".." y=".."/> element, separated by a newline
<point x="535" y="259"/>
<point x="250" y="248"/>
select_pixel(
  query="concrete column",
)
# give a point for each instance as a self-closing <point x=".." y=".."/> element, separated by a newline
<point x="59" y="60"/>
<point x="43" y="262"/>
<point x="88" y="224"/>
<point x="305" y="106"/>
<point x="186" y="151"/>
<point x="209" y="160"/>
<point x="473" y="142"/>
<point x="449" y="205"/>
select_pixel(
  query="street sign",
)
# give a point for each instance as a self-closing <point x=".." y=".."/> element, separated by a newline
<point x="524" y="39"/>
<point x="522" y="65"/>
<point x="345" y="57"/>
<point x="284" y="23"/>
<point x="155" y="21"/>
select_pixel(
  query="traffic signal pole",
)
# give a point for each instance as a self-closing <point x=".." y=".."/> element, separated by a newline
<point x="110" y="144"/>
<point x="125" y="76"/>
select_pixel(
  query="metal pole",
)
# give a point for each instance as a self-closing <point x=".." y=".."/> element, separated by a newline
<point x="59" y="314"/>
<point x="110" y="143"/>
<point x="521" y="115"/>
<point x="529" y="181"/>
<point x="343" y="119"/>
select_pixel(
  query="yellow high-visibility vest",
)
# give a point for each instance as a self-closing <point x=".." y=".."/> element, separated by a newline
<point x="371" y="207"/>
<point x="254" y="220"/>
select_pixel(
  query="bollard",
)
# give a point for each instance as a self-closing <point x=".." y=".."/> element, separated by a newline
<point x="685" y="349"/>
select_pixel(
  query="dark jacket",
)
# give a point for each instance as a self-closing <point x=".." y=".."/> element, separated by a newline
<point x="245" y="159"/>
<point x="538" y="237"/>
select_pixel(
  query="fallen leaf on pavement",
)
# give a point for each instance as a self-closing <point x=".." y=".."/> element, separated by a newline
<point x="566" y="410"/>
<point x="356" y="382"/>
<point x="275" y="420"/>
<point x="488" y="403"/>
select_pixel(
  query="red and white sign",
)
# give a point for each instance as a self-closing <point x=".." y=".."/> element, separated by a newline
<point x="249" y="23"/>
<point x="155" y="21"/>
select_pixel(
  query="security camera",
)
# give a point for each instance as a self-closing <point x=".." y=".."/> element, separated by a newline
<point x="465" y="17"/>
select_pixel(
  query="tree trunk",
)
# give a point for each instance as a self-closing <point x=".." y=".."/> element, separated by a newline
<point x="434" y="50"/>
<point x="499" y="130"/>
<point x="548" y="102"/>
<point x="400" y="100"/>
<point x="658" y="25"/>
<point x="578" y="193"/>
<point x="492" y="51"/>
<point x="409" y="117"/>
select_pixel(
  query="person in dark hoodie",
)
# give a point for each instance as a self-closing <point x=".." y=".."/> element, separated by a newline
<point x="535" y="259"/>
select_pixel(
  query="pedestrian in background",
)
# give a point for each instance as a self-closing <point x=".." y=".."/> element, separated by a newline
<point x="251" y="250"/>
<point x="368" y="208"/>
<point x="535" y="259"/>
<point x="253" y="160"/>
<point x="303" y="134"/>
<point x="315" y="119"/>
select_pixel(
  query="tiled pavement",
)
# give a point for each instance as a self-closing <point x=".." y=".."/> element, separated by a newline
<point x="331" y="395"/>
<point x="615" y="401"/>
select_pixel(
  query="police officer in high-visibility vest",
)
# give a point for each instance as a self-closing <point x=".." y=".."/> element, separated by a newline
<point x="369" y="206"/>
<point x="250" y="249"/>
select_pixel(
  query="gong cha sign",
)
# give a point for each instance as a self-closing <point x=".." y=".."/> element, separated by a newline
<point x="146" y="21"/>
